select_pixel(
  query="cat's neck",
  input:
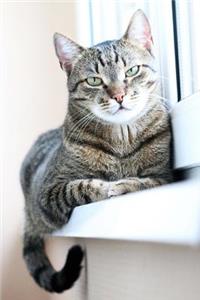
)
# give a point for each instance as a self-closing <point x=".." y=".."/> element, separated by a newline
<point x="116" y="138"/>
<point x="120" y="139"/>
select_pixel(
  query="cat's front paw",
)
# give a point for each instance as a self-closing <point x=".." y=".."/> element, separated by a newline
<point x="121" y="187"/>
<point x="91" y="190"/>
<point x="98" y="189"/>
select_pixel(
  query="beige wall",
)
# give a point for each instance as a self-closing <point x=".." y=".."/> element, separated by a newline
<point x="34" y="100"/>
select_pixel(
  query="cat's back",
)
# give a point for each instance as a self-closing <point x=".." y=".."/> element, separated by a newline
<point x="45" y="144"/>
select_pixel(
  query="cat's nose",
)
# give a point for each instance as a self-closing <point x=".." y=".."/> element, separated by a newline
<point x="119" y="97"/>
<point x="116" y="91"/>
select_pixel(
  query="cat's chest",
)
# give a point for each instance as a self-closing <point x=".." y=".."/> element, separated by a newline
<point x="105" y="165"/>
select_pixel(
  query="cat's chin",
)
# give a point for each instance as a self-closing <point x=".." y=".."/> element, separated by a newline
<point x="121" y="116"/>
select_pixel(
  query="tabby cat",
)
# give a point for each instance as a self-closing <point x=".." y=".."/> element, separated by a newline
<point x="115" y="139"/>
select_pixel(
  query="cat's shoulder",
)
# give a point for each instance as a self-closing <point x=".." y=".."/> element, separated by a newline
<point x="49" y="136"/>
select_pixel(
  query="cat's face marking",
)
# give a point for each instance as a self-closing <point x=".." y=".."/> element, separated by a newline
<point x="112" y="80"/>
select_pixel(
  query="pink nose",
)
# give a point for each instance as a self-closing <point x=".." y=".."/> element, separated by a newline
<point x="119" y="97"/>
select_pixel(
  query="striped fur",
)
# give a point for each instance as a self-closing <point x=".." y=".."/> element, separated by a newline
<point x="89" y="158"/>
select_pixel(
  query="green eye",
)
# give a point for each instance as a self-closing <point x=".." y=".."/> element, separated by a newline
<point x="132" y="71"/>
<point x="94" y="81"/>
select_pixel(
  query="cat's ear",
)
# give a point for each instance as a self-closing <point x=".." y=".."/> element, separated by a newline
<point x="67" y="51"/>
<point x="139" y="30"/>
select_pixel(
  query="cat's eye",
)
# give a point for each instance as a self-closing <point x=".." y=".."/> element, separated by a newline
<point x="94" y="81"/>
<point x="133" y="71"/>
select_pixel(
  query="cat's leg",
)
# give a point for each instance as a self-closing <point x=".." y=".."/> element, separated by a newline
<point x="85" y="191"/>
<point x="129" y="185"/>
<point x="57" y="201"/>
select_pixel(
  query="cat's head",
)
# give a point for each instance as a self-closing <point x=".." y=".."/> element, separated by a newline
<point x="114" y="80"/>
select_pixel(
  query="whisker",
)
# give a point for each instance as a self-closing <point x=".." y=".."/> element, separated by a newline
<point x="105" y="110"/>
<point x="84" y="126"/>
<point x="81" y="125"/>
<point x="104" y="104"/>
<point x="77" y="125"/>
<point x="158" y="96"/>
<point x="107" y="105"/>
<point x="80" y="129"/>
<point x="135" y="98"/>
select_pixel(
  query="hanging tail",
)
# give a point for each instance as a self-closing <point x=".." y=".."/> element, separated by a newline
<point x="42" y="271"/>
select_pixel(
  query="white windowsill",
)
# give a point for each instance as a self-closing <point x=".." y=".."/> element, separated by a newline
<point x="167" y="214"/>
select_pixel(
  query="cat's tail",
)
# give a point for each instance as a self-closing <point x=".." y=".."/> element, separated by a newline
<point x="42" y="271"/>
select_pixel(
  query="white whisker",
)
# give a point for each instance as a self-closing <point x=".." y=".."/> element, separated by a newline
<point x="77" y="125"/>
<point x="84" y="126"/>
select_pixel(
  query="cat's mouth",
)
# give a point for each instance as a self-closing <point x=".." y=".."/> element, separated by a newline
<point x="117" y="114"/>
<point x="120" y="109"/>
